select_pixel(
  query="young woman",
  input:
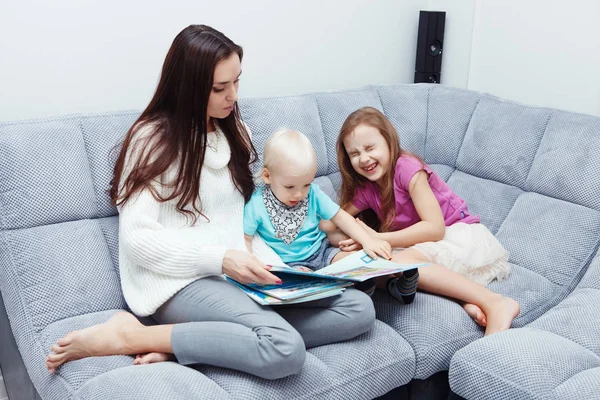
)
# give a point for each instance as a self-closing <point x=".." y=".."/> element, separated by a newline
<point x="180" y="184"/>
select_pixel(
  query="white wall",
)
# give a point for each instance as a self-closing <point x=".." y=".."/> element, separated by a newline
<point x="71" y="56"/>
<point x="543" y="52"/>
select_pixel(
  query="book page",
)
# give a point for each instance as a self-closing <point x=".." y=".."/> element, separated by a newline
<point x="360" y="267"/>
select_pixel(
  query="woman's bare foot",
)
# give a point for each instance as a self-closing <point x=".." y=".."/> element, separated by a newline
<point x="151" y="358"/>
<point x="500" y="314"/>
<point x="109" y="338"/>
<point x="475" y="313"/>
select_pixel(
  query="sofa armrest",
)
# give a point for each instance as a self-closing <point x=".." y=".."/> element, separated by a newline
<point x="523" y="363"/>
<point x="16" y="379"/>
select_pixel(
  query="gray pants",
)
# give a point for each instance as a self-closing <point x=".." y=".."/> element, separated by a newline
<point x="217" y="324"/>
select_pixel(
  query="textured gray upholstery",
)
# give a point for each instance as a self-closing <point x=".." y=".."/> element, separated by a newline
<point x="531" y="174"/>
<point x="557" y="356"/>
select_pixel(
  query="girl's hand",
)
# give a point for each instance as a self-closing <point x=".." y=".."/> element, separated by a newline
<point x="305" y="269"/>
<point x="375" y="247"/>
<point x="350" y="245"/>
<point x="245" y="268"/>
<point x="336" y="237"/>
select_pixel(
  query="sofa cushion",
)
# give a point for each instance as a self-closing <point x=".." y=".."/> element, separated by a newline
<point x="59" y="271"/>
<point x="576" y="318"/>
<point x="569" y="239"/>
<point x="406" y="108"/>
<point x="103" y="136"/>
<point x="489" y="199"/>
<point x="365" y="371"/>
<point x="264" y="116"/>
<point x="534" y="293"/>
<point x="44" y="174"/>
<point x="326" y="186"/>
<point x="449" y="114"/>
<point x="166" y="380"/>
<point x="444" y="171"/>
<point x="591" y="279"/>
<point x="435" y="327"/>
<point x="584" y="385"/>
<point x="568" y="161"/>
<point x="333" y="110"/>
<point x="502" y="140"/>
<point x="553" y="354"/>
<point x="518" y="364"/>
<point x="78" y="372"/>
<point x="434" y="343"/>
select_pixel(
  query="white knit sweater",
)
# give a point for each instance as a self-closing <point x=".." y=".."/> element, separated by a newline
<point x="160" y="252"/>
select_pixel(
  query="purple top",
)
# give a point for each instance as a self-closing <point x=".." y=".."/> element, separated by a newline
<point x="453" y="207"/>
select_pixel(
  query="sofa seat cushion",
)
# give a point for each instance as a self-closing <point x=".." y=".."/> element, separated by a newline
<point x="437" y="327"/>
<point x="166" y="380"/>
<point x="576" y="318"/>
<point x="565" y="336"/>
<point x="433" y="342"/>
<point x="365" y="367"/>
<point x="524" y="363"/>
<point x="584" y="385"/>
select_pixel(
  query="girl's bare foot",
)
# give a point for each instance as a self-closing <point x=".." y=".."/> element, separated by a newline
<point x="475" y="313"/>
<point x="151" y="358"/>
<point x="500" y="314"/>
<point x="109" y="338"/>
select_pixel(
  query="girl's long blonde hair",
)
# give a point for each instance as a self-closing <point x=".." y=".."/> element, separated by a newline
<point x="351" y="180"/>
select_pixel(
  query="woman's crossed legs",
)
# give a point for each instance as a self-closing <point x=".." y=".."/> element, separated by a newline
<point x="213" y="322"/>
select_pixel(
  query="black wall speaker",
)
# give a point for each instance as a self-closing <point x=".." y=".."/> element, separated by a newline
<point x="430" y="42"/>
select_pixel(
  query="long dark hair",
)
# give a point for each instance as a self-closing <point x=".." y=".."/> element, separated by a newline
<point x="176" y="123"/>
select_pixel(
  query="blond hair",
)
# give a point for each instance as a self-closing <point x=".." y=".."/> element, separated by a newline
<point x="289" y="148"/>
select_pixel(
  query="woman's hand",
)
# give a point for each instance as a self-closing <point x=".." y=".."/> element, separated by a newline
<point x="377" y="247"/>
<point x="246" y="268"/>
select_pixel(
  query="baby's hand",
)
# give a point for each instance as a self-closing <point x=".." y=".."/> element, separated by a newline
<point x="375" y="247"/>
<point x="366" y="227"/>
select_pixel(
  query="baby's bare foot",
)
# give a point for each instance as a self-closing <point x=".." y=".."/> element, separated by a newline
<point x="500" y="314"/>
<point x="151" y="358"/>
<point x="475" y="312"/>
<point x="104" y="339"/>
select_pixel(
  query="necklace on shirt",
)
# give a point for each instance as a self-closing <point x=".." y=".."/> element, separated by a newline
<point x="212" y="141"/>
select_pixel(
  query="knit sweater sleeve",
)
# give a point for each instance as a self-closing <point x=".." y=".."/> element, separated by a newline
<point x="179" y="252"/>
<point x="173" y="251"/>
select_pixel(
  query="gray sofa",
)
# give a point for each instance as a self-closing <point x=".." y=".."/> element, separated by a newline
<point x="531" y="174"/>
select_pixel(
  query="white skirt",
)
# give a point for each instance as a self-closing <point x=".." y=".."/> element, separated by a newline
<point x="471" y="250"/>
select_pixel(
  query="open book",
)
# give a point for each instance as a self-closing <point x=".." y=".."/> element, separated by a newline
<point x="357" y="267"/>
<point x="301" y="286"/>
<point x="263" y="298"/>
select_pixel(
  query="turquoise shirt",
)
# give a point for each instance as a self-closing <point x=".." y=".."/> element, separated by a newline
<point x="309" y="239"/>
